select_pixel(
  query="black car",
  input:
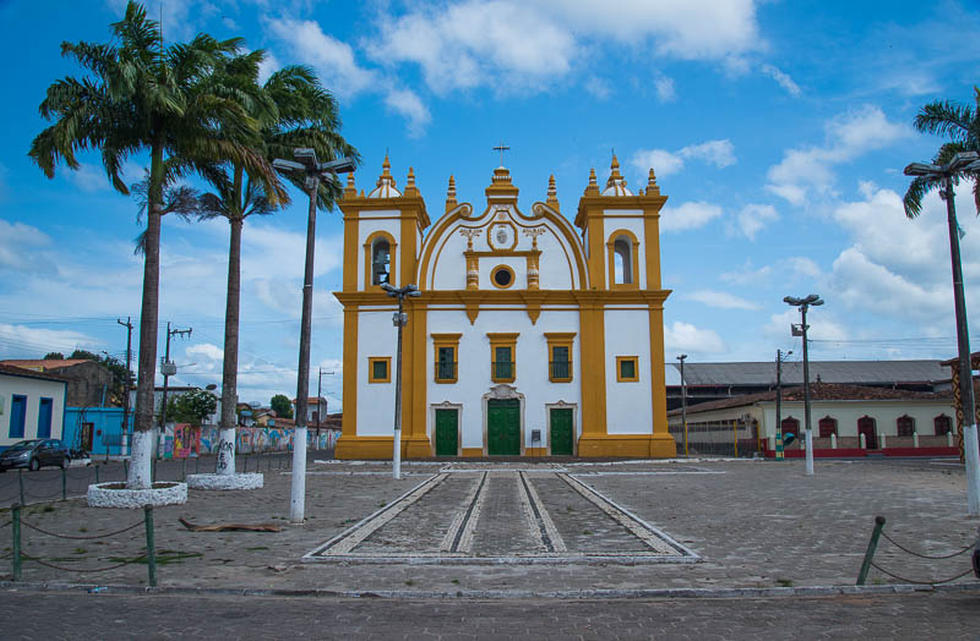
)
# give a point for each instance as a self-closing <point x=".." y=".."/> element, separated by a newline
<point x="34" y="453"/>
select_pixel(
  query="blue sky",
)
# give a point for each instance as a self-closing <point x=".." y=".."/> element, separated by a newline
<point x="778" y="130"/>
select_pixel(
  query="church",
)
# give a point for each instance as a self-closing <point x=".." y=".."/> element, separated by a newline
<point x="530" y="337"/>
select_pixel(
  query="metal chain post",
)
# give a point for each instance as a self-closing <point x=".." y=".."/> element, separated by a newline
<point x="64" y="484"/>
<point x="20" y="482"/>
<point x="872" y="546"/>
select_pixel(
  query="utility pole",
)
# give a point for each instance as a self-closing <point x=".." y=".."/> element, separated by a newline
<point x="779" y="403"/>
<point x="168" y="369"/>
<point x="400" y="319"/>
<point x="319" y="406"/>
<point x="804" y="304"/>
<point x="129" y="374"/>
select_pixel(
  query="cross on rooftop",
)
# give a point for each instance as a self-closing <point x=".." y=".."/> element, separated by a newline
<point x="501" y="148"/>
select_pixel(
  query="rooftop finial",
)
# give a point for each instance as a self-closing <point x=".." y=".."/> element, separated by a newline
<point x="386" y="182"/>
<point x="652" y="187"/>
<point x="350" y="191"/>
<point x="593" y="187"/>
<point x="552" y="200"/>
<point x="451" y="194"/>
<point x="410" y="188"/>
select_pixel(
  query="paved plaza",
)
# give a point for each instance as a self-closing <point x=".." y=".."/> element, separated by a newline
<point x="698" y="530"/>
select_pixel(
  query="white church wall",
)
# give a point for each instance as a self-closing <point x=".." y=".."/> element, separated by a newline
<point x="557" y="263"/>
<point x="375" y="401"/>
<point x="629" y="407"/>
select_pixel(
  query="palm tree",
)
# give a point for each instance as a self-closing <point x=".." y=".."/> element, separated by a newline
<point x="293" y="111"/>
<point x="143" y="97"/>
<point x="959" y="123"/>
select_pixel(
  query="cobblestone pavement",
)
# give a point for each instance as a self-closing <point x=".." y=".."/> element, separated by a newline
<point x="753" y="524"/>
<point x="949" y="616"/>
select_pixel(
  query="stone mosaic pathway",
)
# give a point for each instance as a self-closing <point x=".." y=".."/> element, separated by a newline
<point x="502" y="514"/>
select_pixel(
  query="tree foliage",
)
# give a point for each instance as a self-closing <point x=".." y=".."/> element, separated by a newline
<point x="282" y="406"/>
<point x="54" y="356"/>
<point x="192" y="407"/>
<point x="960" y="124"/>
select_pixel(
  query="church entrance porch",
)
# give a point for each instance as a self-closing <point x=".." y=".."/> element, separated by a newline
<point x="504" y="427"/>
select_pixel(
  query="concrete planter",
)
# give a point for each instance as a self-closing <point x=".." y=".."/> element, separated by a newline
<point x="247" y="481"/>
<point x="116" y="495"/>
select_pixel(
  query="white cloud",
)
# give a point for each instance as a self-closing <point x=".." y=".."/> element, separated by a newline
<point x="803" y="266"/>
<point x="722" y="300"/>
<point x="689" y="215"/>
<point x="205" y="351"/>
<point x="598" y="88"/>
<point x="822" y="324"/>
<point x="18" y="244"/>
<point x="747" y="274"/>
<point x="333" y="59"/>
<point x="406" y="102"/>
<point x="753" y="218"/>
<point x="849" y="135"/>
<point x="472" y="43"/>
<point x="665" y="88"/>
<point x="782" y="79"/>
<point x="269" y="65"/>
<point x="23" y="342"/>
<point x="89" y="178"/>
<point x="685" y="337"/>
<point x="720" y="153"/>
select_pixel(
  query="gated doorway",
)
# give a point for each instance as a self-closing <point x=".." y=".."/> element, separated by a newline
<point x="504" y="427"/>
<point x="447" y="432"/>
<point x="561" y="434"/>
<point x="866" y="426"/>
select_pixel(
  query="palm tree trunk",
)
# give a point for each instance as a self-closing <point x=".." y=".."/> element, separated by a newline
<point x="142" y="448"/>
<point x="229" y="378"/>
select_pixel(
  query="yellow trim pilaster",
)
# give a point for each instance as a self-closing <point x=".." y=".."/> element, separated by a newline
<point x="345" y="444"/>
<point x="415" y="415"/>
<point x="662" y="444"/>
<point x="593" y="369"/>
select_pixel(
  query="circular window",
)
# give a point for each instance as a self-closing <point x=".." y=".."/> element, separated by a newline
<point x="502" y="276"/>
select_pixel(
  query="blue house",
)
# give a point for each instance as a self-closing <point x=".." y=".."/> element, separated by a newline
<point x="98" y="430"/>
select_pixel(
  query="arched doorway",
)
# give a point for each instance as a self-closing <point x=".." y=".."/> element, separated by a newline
<point x="866" y="426"/>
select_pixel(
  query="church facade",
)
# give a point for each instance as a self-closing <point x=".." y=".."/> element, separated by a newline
<point x="530" y="338"/>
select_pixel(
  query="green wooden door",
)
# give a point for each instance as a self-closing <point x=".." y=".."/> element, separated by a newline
<point x="504" y="427"/>
<point x="561" y="431"/>
<point x="447" y="432"/>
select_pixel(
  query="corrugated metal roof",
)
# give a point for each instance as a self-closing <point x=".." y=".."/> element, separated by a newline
<point x="854" y="372"/>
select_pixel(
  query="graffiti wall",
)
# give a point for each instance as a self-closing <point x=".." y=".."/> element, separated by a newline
<point x="253" y="440"/>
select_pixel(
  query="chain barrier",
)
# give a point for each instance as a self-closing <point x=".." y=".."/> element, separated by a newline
<point x="914" y="582"/>
<point x="81" y="538"/>
<point x="6" y="524"/>
<point x="925" y="556"/>
<point x="55" y="566"/>
<point x="18" y="554"/>
<point x="873" y="546"/>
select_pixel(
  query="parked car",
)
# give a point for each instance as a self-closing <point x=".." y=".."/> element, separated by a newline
<point x="34" y="453"/>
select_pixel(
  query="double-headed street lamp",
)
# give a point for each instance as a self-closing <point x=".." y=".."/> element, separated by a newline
<point x="943" y="176"/>
<point x="804" y="304"/>
<point x="682" y="358"/>
<point x="400" y="319"/>
<point x="314" y="172"/>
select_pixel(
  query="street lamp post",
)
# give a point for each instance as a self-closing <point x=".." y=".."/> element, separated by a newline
<point x="682" y="358"/>
<point x="943" y="175"/>
<point x="400" y="319"/>
<point x="804" y="304"/>
<point x="314" y="172"/>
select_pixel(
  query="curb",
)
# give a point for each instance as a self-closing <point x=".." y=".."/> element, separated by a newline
<point x="484" y="595"/>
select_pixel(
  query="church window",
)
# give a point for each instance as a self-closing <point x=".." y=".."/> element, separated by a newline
<point x="905" y="425"/>
<point x="380" y="262"/>
<point x="790" y="425"/>
<point x="379" y="369"/>
<point x="446" y="350"/>
<point x="627" y="370"/>
<point x="621" y="255"/>
<point x="560" y="356"/>
<point x="503" y="368"/>
<point x="942" y="424"/>
<point x="502" y="276"/>
<point x="827" y="426"/>
<point x="624" y="256"/>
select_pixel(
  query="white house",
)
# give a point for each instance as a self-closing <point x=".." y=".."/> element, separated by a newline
<point x="846" y="420"/>
<point x="529" y="338"/>
<point x="32" y="405"/>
